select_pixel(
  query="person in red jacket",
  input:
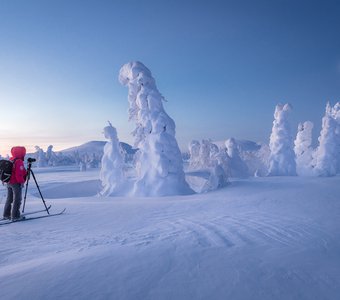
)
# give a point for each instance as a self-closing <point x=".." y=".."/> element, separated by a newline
<point x="15" y="184"/>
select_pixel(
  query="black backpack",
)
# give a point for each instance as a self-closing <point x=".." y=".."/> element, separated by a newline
<point x="6" y="167"/>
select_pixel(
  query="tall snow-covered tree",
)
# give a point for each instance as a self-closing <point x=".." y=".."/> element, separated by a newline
<point x="282" y="156"/>
<point x="303" y="149"/>
<point x="326" y="156"/>
<point x="159" y="159"/>
<point x="111" y="173"/>
<point x="336" y="116"/>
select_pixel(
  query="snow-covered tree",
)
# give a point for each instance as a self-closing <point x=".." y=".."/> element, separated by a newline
<point x="93" y="161"/>
<point x="217" y="179"/>
<point x="62" y="159"/>
<point x="51" y="157"/>
<point x="235" y="165"/>
<point x="194" y="151"/>
<point x="82" y="166"/>
<point x="326" y="156"/>
<point x="111" y="173"/>
<point x="214" y="154"/>
<point x="257" y="160"/>
<point x="217" y="161"/>
<point x="159" y="160"/>
<point x="41" y="157"/>
<point x="282" y="156"/>
<point x="303" y="149"/>
<point x="336" y="116"/>
<point x="49" y="152"/>
<point x="204" y="154"/>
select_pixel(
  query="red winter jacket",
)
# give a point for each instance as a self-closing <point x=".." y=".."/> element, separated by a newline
<point x="19" y="172"/>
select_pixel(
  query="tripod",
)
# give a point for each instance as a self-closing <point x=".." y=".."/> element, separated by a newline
<point x="29" y="173"/>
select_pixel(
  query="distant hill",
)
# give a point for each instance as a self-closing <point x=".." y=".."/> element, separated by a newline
<point x="95" y="147"/>
<point x="89" y="147"/>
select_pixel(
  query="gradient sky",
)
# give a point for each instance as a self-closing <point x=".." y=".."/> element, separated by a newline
<point x="222" y="66"/>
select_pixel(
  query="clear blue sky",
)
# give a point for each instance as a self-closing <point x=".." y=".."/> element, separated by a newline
<point x="222" y="66"/>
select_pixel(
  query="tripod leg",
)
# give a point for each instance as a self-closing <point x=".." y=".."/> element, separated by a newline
<point x="23" y="207"/>
<point x="28" y="179"/>
<point x="42" y="198"/>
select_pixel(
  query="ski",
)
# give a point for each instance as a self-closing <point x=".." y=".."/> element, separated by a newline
<point x="28" y="213"/>
<point x="36" y="211"/>
<point x="33" y="218"/>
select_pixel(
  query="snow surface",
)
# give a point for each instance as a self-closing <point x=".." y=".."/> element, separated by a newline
<point x="258" y="238"/>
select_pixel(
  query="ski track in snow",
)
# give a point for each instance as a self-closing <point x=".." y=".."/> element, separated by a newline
<point x="224" y="231"/>
<point x="228" y="232"/>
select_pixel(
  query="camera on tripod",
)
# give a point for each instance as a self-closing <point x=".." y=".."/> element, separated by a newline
<point x="29" y="173"/>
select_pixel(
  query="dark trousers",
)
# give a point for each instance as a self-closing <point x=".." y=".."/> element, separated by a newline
<point x="13" y="202"/>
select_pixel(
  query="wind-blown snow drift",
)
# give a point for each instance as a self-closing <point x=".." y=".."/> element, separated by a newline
<point x="159" y="160"/>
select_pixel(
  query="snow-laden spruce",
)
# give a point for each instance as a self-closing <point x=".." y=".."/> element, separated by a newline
<point x="207" y="158"/>
<point x="282" y="156"/>
<point x="213" y="159"/>
<point x="303" y="149"/>
<point x="217" y="179"/>
<point x="336" y="116"/>
<point x="204" y="154"/>
<point x="41" y="157"/>
<point x="194" y="152"/>
<point x="160" y="165"/>
<point x="327" y="153"/>
<point x="257" y="160"/>
<point x="50" y="156"/>
<point x="236" y="166"/>
<point x="111" y="173"/>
